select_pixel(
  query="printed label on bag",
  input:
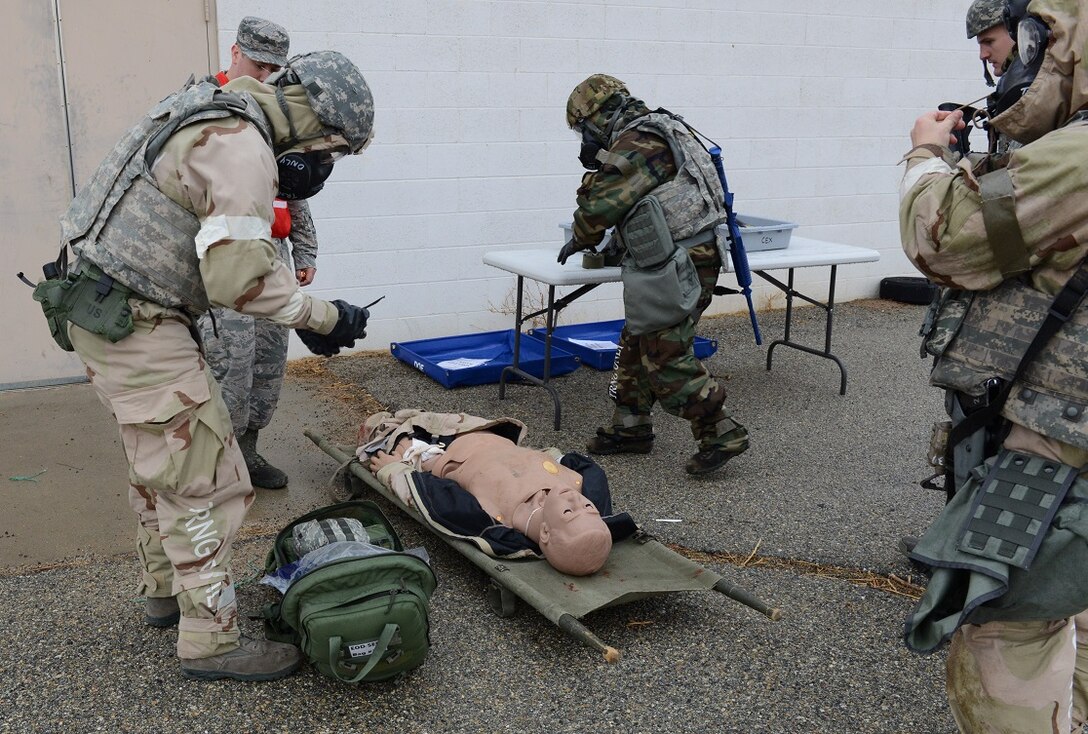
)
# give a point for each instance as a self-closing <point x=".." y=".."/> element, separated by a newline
<point x="362" y="649"/>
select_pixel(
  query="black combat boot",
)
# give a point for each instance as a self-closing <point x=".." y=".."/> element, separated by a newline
<point x="161" y="611"/>
<point x="261" y="473"/>
<point x="615" y="440"/>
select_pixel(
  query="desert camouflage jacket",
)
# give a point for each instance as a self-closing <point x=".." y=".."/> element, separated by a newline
<point x="212" y="182"/>
<point x="1034" y="231"/>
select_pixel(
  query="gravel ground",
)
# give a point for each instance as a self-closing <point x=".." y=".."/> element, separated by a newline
<point x="830" y="481"/>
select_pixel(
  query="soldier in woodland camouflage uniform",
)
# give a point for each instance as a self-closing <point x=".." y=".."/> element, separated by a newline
<point x="178" y="219"/>
<point x="247" y="355"/>
<point x="1010" y="549"/>
<point x="634" y="154"/>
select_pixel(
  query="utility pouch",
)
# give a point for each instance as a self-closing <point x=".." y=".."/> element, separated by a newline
<point x="655" y="299"/>
<point x="1014" y="507"/>
<point x="938" y="444"/>
<point x="646" y="234"/>
<point x="943" y="320"/>
<point x="50" y="294"/>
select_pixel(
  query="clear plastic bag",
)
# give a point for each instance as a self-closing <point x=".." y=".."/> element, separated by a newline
<point x="326" y="554"/>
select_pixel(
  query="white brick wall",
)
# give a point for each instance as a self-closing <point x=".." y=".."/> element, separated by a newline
<point x="811" y="100"/>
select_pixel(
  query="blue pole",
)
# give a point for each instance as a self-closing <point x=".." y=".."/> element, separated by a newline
<point x="736" y="250"/>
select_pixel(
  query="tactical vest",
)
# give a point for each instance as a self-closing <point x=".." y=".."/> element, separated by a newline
<point x="691" y="200"/>
<point x="987" y="340"/>
<point x="121" y="221"/>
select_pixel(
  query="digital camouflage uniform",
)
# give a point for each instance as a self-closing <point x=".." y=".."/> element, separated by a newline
<point x="247" y="355"/>
<point x="660" y="366"/>
<point x="188" y="482"/>
<point x="1031" y="674"/>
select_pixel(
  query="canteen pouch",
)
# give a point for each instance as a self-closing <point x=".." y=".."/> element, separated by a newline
<point x="646" y="234"/>
<point x="657" y="299"/>
<point x="91" y="300"/>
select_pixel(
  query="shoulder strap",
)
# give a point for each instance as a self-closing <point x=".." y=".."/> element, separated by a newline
<point x="1002" y="226"/>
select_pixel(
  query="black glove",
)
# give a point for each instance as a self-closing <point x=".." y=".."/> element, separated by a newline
<point x="350" y="326"/>
<point x="568" y="249"/>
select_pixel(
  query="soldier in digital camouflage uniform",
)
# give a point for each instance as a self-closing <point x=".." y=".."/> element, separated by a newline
<point x="1006" y="243"/>
<point x="193" y="230"/>
<point x="247" y="355"/>
<point x="633" y="153"/>
<point x="985" y="23"/>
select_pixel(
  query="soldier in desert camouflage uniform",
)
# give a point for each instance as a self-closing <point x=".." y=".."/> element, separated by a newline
<point x="178" y="219"/>
<point x="633" y="153"/>
<point x="1006" y="242"/>
<point x="247" y="355"/>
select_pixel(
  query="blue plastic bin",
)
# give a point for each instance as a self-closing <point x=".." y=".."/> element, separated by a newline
<point x="602" y="355"/>
<point x="479" y="359"/>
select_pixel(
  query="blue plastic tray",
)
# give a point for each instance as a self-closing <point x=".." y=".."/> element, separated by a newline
<point x="601" y="356"/>
<point x="479" y="359"/>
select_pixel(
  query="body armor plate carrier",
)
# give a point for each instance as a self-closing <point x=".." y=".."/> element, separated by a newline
<point x="122" y="223"/>
<point x="1051" y="397"/>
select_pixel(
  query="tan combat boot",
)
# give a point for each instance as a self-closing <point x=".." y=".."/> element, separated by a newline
<point x="252" y="660"/>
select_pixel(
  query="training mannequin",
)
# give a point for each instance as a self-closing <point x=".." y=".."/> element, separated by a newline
<point x="521" y="488"/>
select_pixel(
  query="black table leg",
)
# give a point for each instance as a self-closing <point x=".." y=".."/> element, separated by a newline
<point x="515" y="368"/>
<point x="829" y="309"/>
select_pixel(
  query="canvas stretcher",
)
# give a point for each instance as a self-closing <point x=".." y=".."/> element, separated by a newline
<point x="637" y="567"/>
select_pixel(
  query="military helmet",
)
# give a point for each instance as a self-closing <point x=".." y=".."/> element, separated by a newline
<point x="337" y="93"/>
<point x="984" y="14"/>
<point x="590" y="96"/>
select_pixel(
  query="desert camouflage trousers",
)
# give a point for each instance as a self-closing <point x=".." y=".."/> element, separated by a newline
<point x="661" y="367"/>
<point x="187" y="480"/>
<point x="1020" y="677"/>
<point x="248" y="358"/>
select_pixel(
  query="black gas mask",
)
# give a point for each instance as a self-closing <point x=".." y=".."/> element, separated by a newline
<point x="591" y="148"/>
<point x="594" y="140"/>
<point x="1030" y="36"/>
<point x="303" y="174"/>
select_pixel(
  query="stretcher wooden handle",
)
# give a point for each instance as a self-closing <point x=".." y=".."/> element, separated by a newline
<point x="736" y="593"/>
<point x="580" y="632"/>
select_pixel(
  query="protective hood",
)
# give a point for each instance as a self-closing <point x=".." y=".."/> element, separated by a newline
<point x="311" y="134"/>
<point x="634" y="109"/>
<point x="1060" y="89"/>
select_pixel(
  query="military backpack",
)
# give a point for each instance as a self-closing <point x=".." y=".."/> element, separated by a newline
<point x="357" y="605"/>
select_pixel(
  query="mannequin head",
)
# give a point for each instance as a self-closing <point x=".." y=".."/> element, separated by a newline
<point x="573" y="537"/>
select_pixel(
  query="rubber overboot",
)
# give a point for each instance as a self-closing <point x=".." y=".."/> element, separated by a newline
<point x="613" y="440"/>
<point x="161" y="611"/>
<point x="261" y="473"/>
<point x="252" y="660"/>
<point x="715" y="457"/>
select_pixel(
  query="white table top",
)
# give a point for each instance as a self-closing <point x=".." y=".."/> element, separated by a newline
<point x="540" y="265"/>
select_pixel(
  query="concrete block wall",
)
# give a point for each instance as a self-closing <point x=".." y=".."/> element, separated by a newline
<point x="812" y="102"/>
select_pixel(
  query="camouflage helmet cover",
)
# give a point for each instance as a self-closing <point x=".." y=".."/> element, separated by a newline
<point x="337" y="93"/>
<point x="590" y="95"/>
<point x="984" y="14"/>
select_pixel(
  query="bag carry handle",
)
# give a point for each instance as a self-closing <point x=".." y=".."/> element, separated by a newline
<point x="335" y="663"/>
